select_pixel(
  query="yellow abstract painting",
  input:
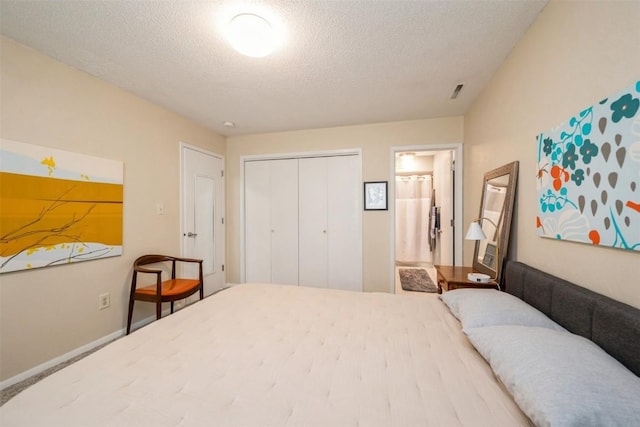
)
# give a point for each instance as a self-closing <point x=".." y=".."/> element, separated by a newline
<point x="57" y="207"/>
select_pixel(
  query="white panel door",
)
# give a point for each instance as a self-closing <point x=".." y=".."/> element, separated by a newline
<point x="203" y="215"/>
<point x="344" y="248"/>
<point x="257" y="208"/>
<point x="313" y="222"/>
<point x="284" y="221"/>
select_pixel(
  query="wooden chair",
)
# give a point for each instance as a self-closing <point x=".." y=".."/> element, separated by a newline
<point x="163" y="291"/>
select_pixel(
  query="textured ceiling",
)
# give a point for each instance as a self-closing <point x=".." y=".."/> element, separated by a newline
<point x="342" y="62"/>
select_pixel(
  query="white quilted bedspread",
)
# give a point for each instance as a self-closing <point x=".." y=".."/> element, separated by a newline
<point x="270" y="355"/>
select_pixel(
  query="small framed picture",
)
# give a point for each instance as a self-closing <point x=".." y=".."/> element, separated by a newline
<point x="375" y="196"/>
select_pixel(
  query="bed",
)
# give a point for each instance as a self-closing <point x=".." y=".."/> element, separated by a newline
<point x="274" y="355"/>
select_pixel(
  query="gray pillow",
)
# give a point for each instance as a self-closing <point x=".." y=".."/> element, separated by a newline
<point x="558" y="378"/>
<point x="486" y="307"/>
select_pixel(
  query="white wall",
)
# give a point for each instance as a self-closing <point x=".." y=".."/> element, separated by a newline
<point x="416" y="164"/>
<point x="574" y="54"/>
<point x="48" y="312"/>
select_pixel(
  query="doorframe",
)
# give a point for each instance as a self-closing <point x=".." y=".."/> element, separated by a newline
<point x="458" y="181"/>
<point x="182" y="195"/>
<point x="294" y="155"/>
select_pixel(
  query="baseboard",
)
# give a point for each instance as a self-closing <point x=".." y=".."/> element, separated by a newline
<point x="76" y="352"/>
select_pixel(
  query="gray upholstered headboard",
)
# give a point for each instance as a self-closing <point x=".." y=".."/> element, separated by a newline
<point x="612" y="325"/>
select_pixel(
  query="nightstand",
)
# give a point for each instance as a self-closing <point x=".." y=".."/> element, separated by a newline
<point x="450" y="278"/>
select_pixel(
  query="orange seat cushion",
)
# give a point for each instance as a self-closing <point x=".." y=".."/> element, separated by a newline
<point x="170" y="287"/>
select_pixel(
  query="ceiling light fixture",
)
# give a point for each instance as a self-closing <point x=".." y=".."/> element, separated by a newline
<point x="406" y="160"/>
<point x="251" y="35"/>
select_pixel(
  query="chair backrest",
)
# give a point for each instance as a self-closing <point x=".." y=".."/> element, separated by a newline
<point x="152" y="259"/>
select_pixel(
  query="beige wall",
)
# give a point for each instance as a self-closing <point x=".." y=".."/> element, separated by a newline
<point x="50" y="311"/>
<point x="375" y="141"/>
<point x="575" y="54"/>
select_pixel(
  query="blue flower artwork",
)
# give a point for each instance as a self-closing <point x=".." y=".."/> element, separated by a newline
<point x="588" y="178"/>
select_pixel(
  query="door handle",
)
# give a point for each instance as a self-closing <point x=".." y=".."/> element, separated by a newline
<point x="190" y="234"/>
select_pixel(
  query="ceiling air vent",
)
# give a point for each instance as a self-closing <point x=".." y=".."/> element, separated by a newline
<point x="456" y="91"/>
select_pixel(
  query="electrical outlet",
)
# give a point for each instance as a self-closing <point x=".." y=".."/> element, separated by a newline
<point x="104" y="301"/>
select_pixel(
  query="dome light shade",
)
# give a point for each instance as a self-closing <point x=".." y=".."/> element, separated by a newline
<point x="251" y="35"/>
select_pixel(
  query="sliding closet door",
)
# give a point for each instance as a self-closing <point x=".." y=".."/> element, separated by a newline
<point x="271" y="221"/>
<point x="284" y="221"/>
<point x="257" y="205"/>
<point x="313" y="228"/>
<point x="303" y="222"/>
<point x="344" y="247"/>
<point x="330" y="227"/>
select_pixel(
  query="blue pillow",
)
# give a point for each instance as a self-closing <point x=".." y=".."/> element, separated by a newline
<point x="558" y="378"/>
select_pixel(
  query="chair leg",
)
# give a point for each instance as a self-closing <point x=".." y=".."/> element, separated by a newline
<point x="201" y="277"/>
<point x="158" y="309"/>
<point x="171" y="307"/>
<point x="131" y="300"/>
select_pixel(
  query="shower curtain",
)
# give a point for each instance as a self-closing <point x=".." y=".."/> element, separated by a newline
<point x="412" y="218"/>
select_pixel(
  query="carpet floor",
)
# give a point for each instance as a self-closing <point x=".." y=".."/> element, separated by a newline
<point x="9" y="392"/>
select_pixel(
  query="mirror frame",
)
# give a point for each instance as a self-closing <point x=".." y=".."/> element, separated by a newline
<point x="510" y="169"/>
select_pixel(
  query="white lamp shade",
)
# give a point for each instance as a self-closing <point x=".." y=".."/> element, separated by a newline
<point x="475" y="232"/>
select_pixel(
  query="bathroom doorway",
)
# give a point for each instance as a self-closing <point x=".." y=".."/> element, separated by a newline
<point x="425" y="208"/>
<point x="416" y="209"/>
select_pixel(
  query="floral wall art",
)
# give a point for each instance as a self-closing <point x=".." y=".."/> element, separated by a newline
<point x="589" y="175"/>
<point x="57" y="207"/>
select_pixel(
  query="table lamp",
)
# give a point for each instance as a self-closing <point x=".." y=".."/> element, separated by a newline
<point x="475" y="232"/>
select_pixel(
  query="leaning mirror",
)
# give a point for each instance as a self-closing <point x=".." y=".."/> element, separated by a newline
<point x="496" y="210"/>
